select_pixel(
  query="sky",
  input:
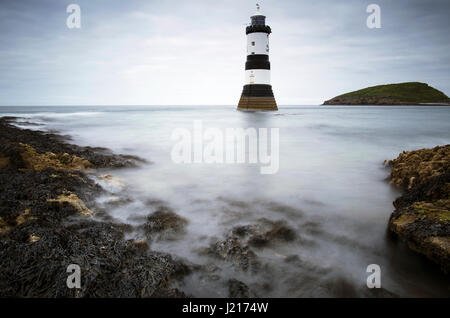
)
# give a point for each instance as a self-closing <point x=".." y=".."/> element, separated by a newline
<point x="192" y="52"/>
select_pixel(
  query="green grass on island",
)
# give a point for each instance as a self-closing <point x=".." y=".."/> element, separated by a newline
<point x="412" y="93"/>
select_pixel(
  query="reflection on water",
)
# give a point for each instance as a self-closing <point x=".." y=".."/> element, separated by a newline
<point x="330" y="191"/>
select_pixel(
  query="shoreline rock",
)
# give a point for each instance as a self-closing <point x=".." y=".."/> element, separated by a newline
<point x="47" y="223"/>
<point x="422" y="213"/>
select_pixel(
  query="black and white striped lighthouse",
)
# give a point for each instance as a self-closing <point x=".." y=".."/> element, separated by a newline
<point x="257" y="93"/>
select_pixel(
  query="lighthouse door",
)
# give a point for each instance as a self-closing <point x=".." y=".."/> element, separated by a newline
<point x="252" y="78"/>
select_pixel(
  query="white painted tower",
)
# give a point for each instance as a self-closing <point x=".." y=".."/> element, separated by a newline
<point x="257" y="93"/>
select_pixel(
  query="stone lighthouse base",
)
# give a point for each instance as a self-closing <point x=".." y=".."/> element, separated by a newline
<point x="257" y="97"/>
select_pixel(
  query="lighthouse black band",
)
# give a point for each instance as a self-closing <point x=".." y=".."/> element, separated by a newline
<point x="258" y="28"/>
<point x="257" y="61"/>
<point x="257" y="90"/>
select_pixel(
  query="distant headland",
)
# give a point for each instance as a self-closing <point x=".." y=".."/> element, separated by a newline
<point x="411" y="93"/>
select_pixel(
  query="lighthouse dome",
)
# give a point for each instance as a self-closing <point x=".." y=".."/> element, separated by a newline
<point x="258" y="18"/>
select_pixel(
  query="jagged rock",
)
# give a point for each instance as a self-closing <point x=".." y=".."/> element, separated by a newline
<point x="422" y="215"/>
<point x="164" y="224"/>
<point x="278" y="231"/>
<point x="236" y="247"/>
<point x="237" y="289"/>
<point x="234" y="252"/>
<point x="265" y="232"/>
<point x="64" y="161"/>
<point x="40" y="192"/>
<point x="415" y="167"/>
<point x="72" y="199"/>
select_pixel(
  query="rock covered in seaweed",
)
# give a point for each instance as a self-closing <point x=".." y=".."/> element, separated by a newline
<point x="164" y="224"/>
<point x="237" y="246"/>
<point x="422" y="215"/>
<point x="54" y="148"/>
<point x="412" y="168"/>
<point x="45" y="196"/>
<point x="238" y="289"/>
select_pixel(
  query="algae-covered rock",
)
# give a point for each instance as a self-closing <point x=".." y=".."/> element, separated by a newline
<point x="415" y="167"/>
<point x="72" y="199"/>
<point x="43" y="183"/>
<point x="422" y="215"/>
<point x="238" y="289"/>
<point x="6" y="226"/>
<point x="64" y="161"/>
<point x="164" y="224"/>
<point x="233" y="251"/>
<point x="265" y="232"/>
<point x="240" y="243"/>
<point x="4" y="161"/>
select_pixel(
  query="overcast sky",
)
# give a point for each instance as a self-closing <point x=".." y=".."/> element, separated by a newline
<point x="193" y="51"/>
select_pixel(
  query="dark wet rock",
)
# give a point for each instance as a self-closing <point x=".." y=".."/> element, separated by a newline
<point x="279" y="231"/>
<point x="237" y="289"/>
<point x="292" y="259"/>
<point x="110" y="265"/>
<point x="237" y="246"/>
<point x="46" y="224"/>
<point x="422" y="215"/>
<point x="244" y="230"/>
<point x="265" y="233"/>
<point x="234" y="252"/>
<point x="165" y="224"/>
<point x="43" y="143"/>
<point x="258" y="241"/>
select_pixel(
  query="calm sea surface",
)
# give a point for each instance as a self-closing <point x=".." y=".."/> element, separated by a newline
<point x="331" y="188"/>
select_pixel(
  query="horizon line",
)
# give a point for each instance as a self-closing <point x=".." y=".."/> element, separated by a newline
<point x="143" y="105"/>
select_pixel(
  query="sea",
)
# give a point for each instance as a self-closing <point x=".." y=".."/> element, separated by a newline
<point x="331" y="187"/>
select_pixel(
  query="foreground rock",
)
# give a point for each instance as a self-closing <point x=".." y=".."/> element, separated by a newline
<point x="46" y="224"/>
<point x="164" y="224"/>
<point x="237" y="289"/>
<point x="237" y="246"/>
<point x="422" y="213"/>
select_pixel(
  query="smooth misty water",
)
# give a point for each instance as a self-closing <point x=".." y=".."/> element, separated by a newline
<point x="330" y="188"/>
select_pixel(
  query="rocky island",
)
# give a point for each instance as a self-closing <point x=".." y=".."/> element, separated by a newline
<point x="422" y="213"/>
<point x="411" y="93"/>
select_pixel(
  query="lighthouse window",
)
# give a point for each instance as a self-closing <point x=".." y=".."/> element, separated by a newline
<point x="253" y="52"/>
<point x="253" y="43"/>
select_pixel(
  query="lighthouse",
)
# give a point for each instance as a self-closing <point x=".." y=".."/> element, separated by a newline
<point x="257" y="93"/>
